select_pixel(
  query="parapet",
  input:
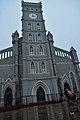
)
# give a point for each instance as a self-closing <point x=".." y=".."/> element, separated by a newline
<point x="62" y="53"/>
<point x="6" y="53"/>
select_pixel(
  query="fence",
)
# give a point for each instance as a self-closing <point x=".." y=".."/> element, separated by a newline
<point x="24" y="101"/>
<point x="27" y="100"/>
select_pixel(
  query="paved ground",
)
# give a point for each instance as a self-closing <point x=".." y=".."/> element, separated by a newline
<point x="60" y="111"/>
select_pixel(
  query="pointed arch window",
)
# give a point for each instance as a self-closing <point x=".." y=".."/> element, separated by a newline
<point x="32" y="68"/>
<point x="43" y="67"/>
<point x="30" y="37"/>
<point x="39" y="36"/>
<point x="31" y="50"/>
<point x="29" y="26"/>
<point x="38" y="26"/>
<point x="41" y="50"/>
<point x="73" y="81"/>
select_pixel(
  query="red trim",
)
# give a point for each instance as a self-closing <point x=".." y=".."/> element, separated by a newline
<point x="16" y="107"/>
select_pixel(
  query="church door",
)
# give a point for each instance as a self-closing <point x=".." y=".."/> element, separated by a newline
<point x="40" y="94"/>
<point x="66" y="86"/>
<point x="8" y="97"/>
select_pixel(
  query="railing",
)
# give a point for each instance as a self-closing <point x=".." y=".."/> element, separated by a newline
<point x="6" y="53"/>
<point x="62" y="53"/>
<point x="24" y="101"/>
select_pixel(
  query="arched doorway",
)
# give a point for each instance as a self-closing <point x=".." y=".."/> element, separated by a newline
<point x="66" y="86"/>
<point x="8" y="97"/>
<point x="40" y="94"/>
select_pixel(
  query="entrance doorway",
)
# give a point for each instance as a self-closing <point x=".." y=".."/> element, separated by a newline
<point x="40" y="94"/>
<point x="66" y="86"/>
<point x="8" y="97"/>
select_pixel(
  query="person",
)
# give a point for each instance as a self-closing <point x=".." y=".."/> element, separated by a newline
<point x="71" y="95"/>
<point x="66" y="93"/>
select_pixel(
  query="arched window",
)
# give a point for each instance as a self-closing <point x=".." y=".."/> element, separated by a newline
<point x="32" y="68"/>
<point x="39" y="36"/>
<point x="29" y="26"/>
<point x="43" y="68"/>
<point x="31" y="50"/>
<point x="73" y="81"/>
<point x="38" y="26"/>
<point x="40" y="50"/>
<point x="30" y="37"/>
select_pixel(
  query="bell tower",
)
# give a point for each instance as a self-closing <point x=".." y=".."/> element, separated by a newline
<point x="37" y="61"/>
<point x="33" y="31"/>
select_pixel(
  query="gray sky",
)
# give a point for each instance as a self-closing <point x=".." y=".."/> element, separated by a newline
<point x="62" y="18"/>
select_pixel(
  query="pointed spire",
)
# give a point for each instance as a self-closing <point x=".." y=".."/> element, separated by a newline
<point x="50" y="36"/>
<point x="72" y="49"/>
<point x="16" y="33"/>
<point x="15" y="36"/>
<point x="74" y="56"/>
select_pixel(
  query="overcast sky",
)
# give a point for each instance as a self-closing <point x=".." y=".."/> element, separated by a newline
<point x="62" y="18"/>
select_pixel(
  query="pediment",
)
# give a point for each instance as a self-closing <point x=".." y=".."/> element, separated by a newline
<point x="65" y="77"/>
<point x="8" y="81"/>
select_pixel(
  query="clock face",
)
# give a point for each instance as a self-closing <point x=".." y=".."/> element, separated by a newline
<point x="32" y="15"/>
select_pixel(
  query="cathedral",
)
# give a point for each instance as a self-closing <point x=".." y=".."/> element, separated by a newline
<point x="33" y="69"/>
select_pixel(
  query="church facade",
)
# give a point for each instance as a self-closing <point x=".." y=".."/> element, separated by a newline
<point x="33" y="67"/>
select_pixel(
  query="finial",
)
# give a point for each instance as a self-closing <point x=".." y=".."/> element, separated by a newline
<point x="72" y="49"/>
